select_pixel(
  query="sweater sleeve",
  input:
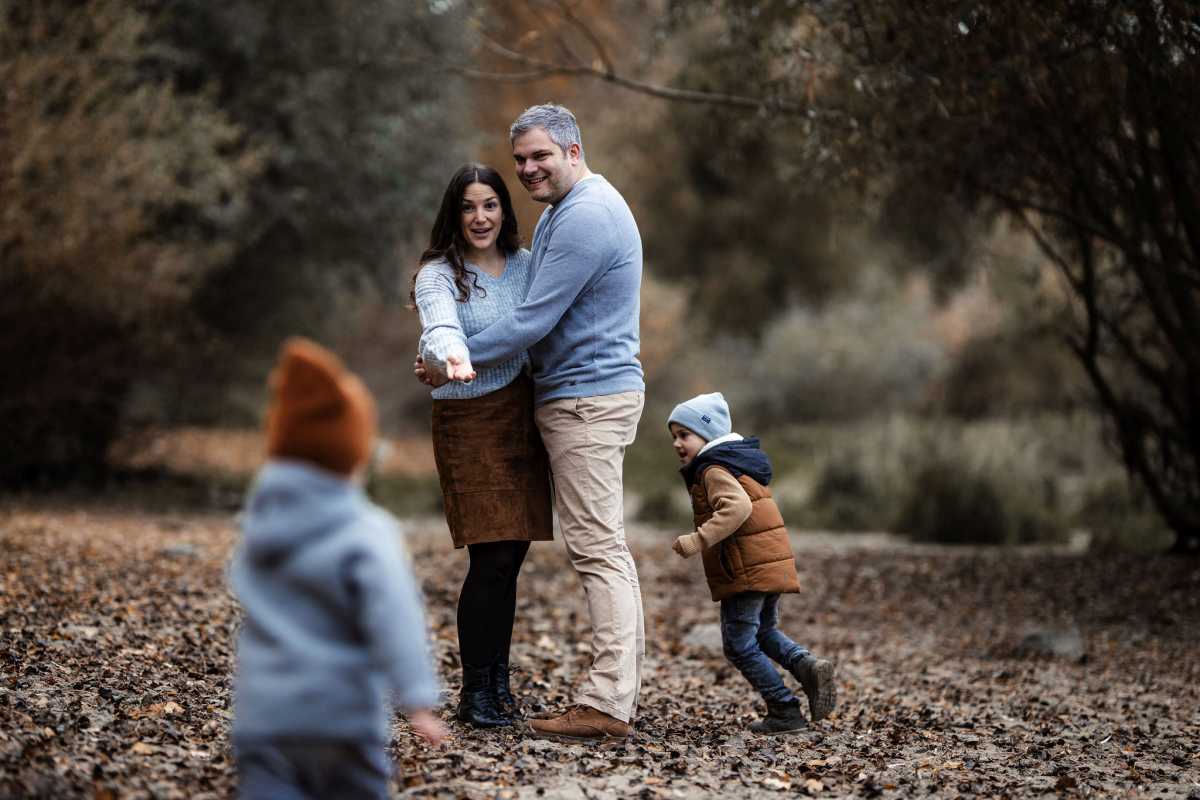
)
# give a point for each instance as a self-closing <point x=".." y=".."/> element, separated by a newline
<point x="731" y="506"/>
<point x="577" y="252"/>
<point x="393" y="618"/>
<point x="441" y="332"/>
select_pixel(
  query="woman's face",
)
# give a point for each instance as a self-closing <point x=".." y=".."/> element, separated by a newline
<point x="481" y="217"/>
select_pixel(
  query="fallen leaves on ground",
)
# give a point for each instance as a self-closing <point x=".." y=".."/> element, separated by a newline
<point x="117" y="641"/>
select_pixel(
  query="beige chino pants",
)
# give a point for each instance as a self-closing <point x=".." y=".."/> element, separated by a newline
<point x="586" y="439"/>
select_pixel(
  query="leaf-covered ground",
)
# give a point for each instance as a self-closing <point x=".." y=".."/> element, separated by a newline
<point x="116" y="647"/>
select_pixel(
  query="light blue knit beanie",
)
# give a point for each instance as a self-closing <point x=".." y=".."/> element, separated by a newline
<point x="706" y="415"/>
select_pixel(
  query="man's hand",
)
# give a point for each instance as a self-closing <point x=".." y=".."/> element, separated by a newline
<point x="428" y="377"/>
<point x="687" y="545"/>
<point x="428" y="727"/>
<point x="459" y="368"/>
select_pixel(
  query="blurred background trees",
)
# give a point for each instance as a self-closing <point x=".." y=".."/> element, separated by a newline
<point x="939" y="256"/>
<point x="122" y="195"/>
<point x="913" y="128"/>
<point x="1080" y="121"/>
<point x="186" y="183"/>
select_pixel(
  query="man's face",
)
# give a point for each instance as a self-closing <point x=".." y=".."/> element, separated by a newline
<point x="543" y="168"/>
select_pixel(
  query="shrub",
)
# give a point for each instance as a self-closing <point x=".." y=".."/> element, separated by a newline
<point x="870" y="355"/>
<point x="1121" y="519"/>
<point x="846" y="497"/>
<point x="947" y="505"/>
<point x="1012" y="372"/>
<point x="952" y="502"/>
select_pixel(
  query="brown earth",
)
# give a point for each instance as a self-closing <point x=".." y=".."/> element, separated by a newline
<point x="239" y="452"/>
<point x="116" y="648"/>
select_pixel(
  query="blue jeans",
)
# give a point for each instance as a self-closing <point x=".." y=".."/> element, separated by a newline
<point x="300" y="770"/>
<point x="751" y="639"/>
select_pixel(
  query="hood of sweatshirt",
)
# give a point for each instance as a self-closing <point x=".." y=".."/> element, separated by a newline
<point x="332" y="628"/>
<point x="740" y="457"/>
<point x="290" y="506"/>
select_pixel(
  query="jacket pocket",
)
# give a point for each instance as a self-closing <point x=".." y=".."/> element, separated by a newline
<point x="723" y="558"/>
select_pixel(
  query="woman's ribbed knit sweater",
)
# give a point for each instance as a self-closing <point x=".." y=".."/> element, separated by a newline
<point x="446" y="323"/>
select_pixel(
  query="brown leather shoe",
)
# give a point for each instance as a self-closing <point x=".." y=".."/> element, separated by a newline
<point x="581" y="724"/>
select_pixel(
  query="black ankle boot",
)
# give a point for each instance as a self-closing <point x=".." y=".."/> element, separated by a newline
<point x="506" y="704"/>
<point x="780" y="718"/>
<point x="477" y="703"/>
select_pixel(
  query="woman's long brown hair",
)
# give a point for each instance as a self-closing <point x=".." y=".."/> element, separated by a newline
<point x="446" y="239"/>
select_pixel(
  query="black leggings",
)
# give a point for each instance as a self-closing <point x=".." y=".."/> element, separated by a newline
<point x="488" y="602"/>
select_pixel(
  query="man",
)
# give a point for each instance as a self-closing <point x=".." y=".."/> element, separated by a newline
<point x="579" y="322"/>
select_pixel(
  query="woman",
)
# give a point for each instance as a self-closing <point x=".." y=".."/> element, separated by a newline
<point x="490" y="459"/>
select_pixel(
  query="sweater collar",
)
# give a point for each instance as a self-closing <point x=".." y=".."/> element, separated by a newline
<point x="578" y="183"/>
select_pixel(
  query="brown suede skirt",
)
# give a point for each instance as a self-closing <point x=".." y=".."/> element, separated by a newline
<point x="493" y="467"/>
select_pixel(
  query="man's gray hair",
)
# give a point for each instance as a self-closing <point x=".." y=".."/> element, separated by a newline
<point x="557" y="121"/>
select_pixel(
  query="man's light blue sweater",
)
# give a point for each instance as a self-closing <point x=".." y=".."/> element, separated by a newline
<point x="579" y="320"/>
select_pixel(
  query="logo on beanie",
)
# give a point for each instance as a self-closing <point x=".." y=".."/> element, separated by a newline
<point x="706" y="419"/>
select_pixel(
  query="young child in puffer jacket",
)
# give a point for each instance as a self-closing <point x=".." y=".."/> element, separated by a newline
<point x="333" y="628"/>
<point x="748" y="560"/>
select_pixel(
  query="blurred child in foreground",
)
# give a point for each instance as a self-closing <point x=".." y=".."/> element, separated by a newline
<point x="748" y="560"/>
<point x="333" y="628"/>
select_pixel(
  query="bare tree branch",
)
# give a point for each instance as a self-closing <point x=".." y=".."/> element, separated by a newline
<point x="589" y="34"/>
<point x="544" y="69"/>
<point x="539" y="69"/>
<point x="506" y="77"/>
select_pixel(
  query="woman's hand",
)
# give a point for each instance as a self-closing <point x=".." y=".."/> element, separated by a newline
<point x="428" y="727"/>
<point x="458" y="368"/>
<point x="428" y="377"/>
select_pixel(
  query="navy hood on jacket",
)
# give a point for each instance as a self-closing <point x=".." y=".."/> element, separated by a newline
<point x="740" y="457"/>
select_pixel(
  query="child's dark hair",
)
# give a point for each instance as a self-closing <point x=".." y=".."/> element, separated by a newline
<point x="446" y="239"/>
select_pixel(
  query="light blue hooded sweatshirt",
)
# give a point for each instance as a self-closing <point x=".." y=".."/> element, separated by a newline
<point x="333" y="629"/>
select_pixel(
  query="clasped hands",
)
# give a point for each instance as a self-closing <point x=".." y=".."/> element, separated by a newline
<point x="458" y="368"/>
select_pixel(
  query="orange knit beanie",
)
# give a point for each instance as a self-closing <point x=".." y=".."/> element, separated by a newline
<point x="320" y="412"/>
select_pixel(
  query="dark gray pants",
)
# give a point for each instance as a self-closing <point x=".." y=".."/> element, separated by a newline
<point x="284" y="769"/>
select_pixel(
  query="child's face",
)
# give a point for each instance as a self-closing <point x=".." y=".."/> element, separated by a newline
<point x="686" y="443"/>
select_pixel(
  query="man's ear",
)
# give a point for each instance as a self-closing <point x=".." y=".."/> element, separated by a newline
<point x="573" y="151"/>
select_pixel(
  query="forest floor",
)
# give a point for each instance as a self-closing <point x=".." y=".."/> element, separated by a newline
<point x="962" y="672"/>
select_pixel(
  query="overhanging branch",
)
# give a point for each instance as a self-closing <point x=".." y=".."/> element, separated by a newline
<point x="539" y="69"/>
